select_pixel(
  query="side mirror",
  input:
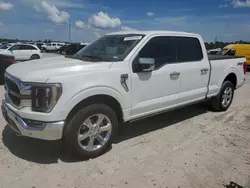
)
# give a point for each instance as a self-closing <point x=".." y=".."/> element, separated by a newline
<point x="146" y="64"/>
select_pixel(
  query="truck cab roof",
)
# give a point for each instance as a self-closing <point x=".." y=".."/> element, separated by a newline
<point x="153" y="32"/>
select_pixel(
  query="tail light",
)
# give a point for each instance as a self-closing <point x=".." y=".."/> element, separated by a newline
<point x="245" y="67"/>
<point x="10" y="60"/>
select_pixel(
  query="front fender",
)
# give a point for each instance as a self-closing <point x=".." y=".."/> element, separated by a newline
<point x="86" y="93"/>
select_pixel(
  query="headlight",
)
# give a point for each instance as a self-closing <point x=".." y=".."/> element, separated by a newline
<point x="45" y="96"/>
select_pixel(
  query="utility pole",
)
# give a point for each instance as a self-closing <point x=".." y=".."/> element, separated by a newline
<point x="215" y="40"/>
<point x="69" y="30"/>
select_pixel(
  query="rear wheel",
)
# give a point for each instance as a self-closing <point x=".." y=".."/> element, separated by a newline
<point x="224" y="99"/>
<point x="91" y="131"/>
<point x="33" y="57"/>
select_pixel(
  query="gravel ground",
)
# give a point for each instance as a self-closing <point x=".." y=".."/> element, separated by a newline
<point x="190" y="147"/>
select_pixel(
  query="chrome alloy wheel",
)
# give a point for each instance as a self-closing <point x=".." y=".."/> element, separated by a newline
<point x="94" y="132"/>
<point x="227" y="96"/>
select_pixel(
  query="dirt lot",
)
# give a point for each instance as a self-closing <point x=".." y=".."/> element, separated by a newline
<point x="191" y="147"/>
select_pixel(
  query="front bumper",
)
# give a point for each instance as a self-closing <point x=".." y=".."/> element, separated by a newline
<point x="49" y="130"/>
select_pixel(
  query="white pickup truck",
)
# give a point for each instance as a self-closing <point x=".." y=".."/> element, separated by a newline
<point x="118" y="78"/>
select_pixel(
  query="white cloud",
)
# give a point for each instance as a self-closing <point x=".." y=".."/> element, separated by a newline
<point x="80" y="24"/>
<point x="55" y="15"/>
<point x="223" y="6"/>
<point x="240" y="3"/>
<point x="150" y="14"/>
<point x="126" y="28"/>
<point x="102" y="20"/>
<point x="49" y="8"/>
<point x="5" y="6"/>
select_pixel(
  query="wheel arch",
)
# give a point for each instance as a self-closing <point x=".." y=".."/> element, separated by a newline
<point x="98" y="99"/>
<point x="232" y="77"/>
<point x="102" y="95"/>
<point x="35" y="55"/>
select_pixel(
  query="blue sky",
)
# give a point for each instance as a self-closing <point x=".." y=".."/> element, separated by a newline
<point x="229" y="20"/>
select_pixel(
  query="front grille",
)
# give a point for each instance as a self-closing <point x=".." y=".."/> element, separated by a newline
<point x="12" y="86"/>
<point x="13" y="92"/>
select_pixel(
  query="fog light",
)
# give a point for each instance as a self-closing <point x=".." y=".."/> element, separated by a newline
<point x="34" y="124"/>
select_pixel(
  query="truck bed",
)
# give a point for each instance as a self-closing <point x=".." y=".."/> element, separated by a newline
<point x="220" y="57"/>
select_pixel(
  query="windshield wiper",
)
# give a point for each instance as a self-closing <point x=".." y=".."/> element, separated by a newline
<point x="92" y="57"/>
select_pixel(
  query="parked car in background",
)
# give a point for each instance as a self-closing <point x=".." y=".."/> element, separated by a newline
<point x="74" y="48"/>
<point x="120" y="77"/>
<point x="237" y="50"/>
<point x="213" y="51"/>
<point x="62" y="50"/>
<point x="21" y="52"/>
<point x="52" y="46"/>
<point x="5" y="62"/>
<point x="40" y="44"/>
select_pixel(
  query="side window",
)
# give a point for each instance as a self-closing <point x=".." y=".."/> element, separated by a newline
<point x="188" y="49"/>
<point x="161" y="49"/>
<point x="53" y="44"/>
<point x="231" y="52"/>
<point x="15" y="47"/>
<point x="23" y="47"/>
<point x="30" y="47"/>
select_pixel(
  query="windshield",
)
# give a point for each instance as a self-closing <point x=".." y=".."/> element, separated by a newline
<point x="5" y="46"/>
<point x="110" y="48"/>
<point x="222" y="52"/>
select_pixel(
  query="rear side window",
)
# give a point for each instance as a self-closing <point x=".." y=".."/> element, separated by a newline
<point x="27" y="47"/>
<point x="188" y="49"/>
<point x="161" y="49"/>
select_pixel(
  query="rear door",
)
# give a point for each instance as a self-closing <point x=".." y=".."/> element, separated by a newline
<point x="32" y="50"/>
<point x="194" y="69"/>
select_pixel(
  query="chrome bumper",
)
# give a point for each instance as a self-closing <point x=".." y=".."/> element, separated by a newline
<point x="49" y="130"/>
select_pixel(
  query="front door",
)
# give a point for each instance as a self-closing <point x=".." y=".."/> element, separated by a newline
<point x="157" y="90"/>
<point x="17" y="52"/>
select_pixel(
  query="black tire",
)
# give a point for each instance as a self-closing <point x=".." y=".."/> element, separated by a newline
<point x="33" y="57"/>
<point x="217" y="102"/>
<point x="1" y="77"/>
<point x="3" y="67"/>
<point x="75" y="125"/>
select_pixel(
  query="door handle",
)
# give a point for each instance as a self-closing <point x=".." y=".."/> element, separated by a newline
<point x="175" y="74"/>
<point x="204" y="71"/>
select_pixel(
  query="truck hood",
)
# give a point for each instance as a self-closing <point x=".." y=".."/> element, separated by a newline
<point x="44" y="69"/>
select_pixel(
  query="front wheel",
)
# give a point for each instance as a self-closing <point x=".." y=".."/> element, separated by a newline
<point x="91" y="131"/>
<point x="224" y="99"/>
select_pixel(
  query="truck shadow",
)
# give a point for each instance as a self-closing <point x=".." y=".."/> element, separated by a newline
<point x="48" y="152"/>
